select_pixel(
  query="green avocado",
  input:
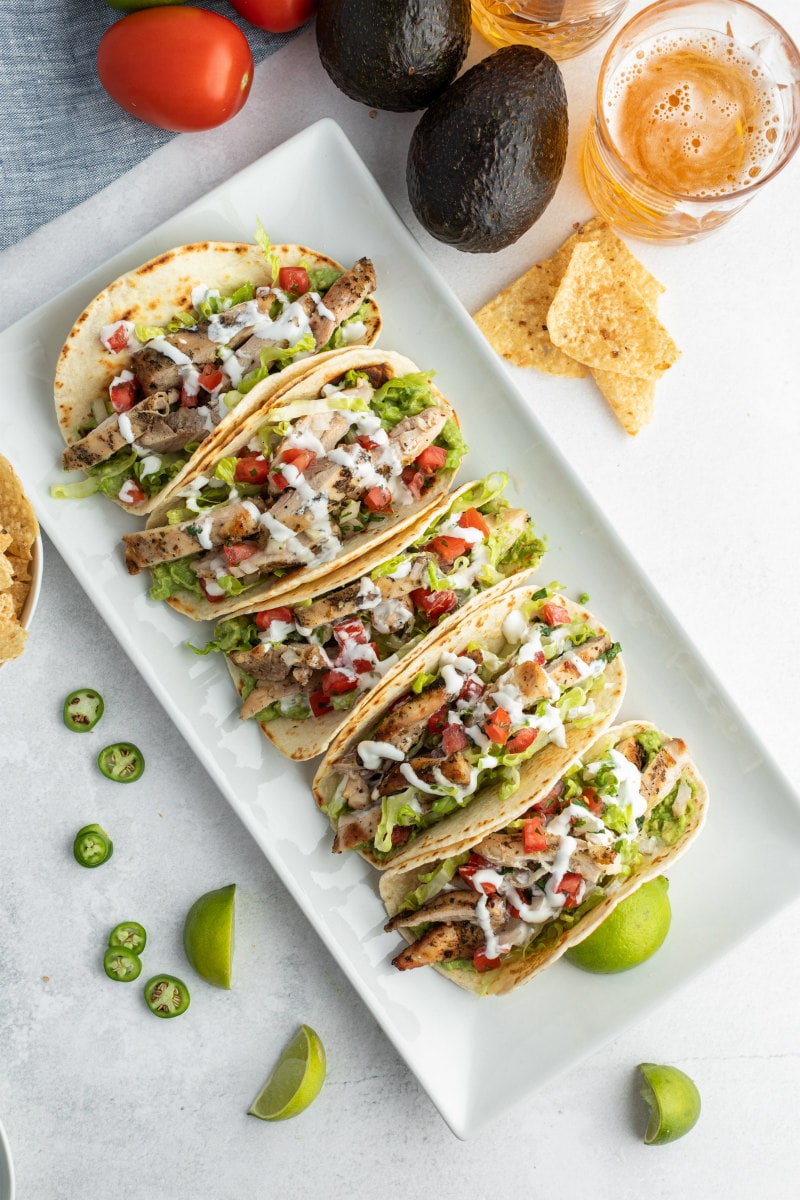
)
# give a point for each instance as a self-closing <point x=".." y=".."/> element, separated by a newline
<point x="396" y="55"/>
<point x="486" y="158"/>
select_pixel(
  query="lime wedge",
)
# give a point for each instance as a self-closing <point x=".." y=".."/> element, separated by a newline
<point x="674" y="1103"/>
<point x="630" y="934"/>
<point x="208" y="935"/>
<point x="296" y="1080"/>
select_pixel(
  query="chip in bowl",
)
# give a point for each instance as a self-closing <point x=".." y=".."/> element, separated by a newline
<point x="19" y="530"/>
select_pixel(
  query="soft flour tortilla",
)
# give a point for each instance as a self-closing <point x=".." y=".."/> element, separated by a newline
<point x="329" y="369"/>
<point x="519" y="968"/>
<point x="152" y="295"/>
<point x="481" y="623"/>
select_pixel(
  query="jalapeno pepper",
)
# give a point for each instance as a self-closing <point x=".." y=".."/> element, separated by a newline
<point x="130" y="935"/>
<point x="166" y="996"/>
<point x="83" y="709"/>
<point x="92" y="846"/>
<point x="123" y="762"/>
<point x="122" y="965"/>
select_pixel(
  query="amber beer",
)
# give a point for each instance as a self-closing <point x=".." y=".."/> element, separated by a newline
<point x="690" y="120"/>
<point x="563" y="28"/>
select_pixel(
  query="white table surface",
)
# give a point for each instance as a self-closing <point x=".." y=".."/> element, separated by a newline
<point x="99" y="1100"/>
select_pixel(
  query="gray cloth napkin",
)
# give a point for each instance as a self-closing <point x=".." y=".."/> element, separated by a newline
<point x="62" y="138"/>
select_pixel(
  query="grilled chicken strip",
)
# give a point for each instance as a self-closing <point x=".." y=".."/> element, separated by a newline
<point x="103" y="441"/>
<point x="413" y="434"/>
<point x="633" y="751"/>
<point x="298" y="661"/>
<point x="447" y="906"/>
<point x="231" y="522"/>
<point x="455" y="769"/>
<point x="564" y="672"/>
<point x="664" y="771"/>
<point x="328" y="428"/>
<point x="173" y="432"/>
<point x="154" y="371"/>
<point x="265" y="694"/>
<point x="356" y="828"/>
<point x="403" y="727"/>
<point x="343" y="299"/>
<point x="348" y="601"/>
<point x="442" y="943"/>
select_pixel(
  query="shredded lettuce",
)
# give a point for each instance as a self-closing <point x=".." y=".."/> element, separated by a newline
<point x="387" y="568"/>
<point x="420" y="681"/>
<point x="398" y="809"/>
<point x="272" y="355"/>
<point x="171" y="578"/>
<point x="450" y="437"/>
<point x="262" y="238"/>
<point x="234" y="633"/>
<point x="431" y="884"/>
<point x="403" y="396"/>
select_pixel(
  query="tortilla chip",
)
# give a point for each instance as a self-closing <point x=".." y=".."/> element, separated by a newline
<point x="5" y="539"/>
<point x="619" y="258"/>
<point x="6" y="573"/>
<point x="633" y="400"/>
<point x="12" y="635"/>
<point x="16" y="513"/>
<point x="604" y="322"/>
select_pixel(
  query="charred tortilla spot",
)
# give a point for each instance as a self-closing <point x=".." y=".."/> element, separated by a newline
<point x="82" y="317"/>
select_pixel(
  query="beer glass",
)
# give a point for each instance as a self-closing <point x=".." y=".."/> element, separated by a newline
<point x="698" y="107"/>
<point x="561" y="27"/>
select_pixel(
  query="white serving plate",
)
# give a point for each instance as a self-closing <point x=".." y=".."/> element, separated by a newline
<point x="474" y="1057"/>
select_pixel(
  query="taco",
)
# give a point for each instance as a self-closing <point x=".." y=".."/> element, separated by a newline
<point x="459" y="737"/>
<point x="301" y="668"/>
<point x="336" y="465"/>
<point x="491" y="911"/>
<point x="173" y="356"/>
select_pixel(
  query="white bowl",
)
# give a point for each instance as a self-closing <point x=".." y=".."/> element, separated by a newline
<point x="6" y="1168"/>
<point x="32" y="599"/>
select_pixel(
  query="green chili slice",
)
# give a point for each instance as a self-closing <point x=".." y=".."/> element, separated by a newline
<point x="92" y="846"/>
<point x="83" y="709"/>
<point x="123" y="762"/>
<point x="122" y="965"/>
<point x="166" y="996"/>
<point x="130" y="935"/>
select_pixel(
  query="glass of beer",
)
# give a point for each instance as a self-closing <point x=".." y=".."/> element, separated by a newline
<point x="698" y="107"/>
<point x="563" y="28"/>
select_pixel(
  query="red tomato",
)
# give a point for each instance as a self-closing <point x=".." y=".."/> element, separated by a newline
<point x="570" y="885"/>
<point x="555" y="614"/>
<point x="276" y="16"/>
<point x="118" y="340"/>
<point x="133" y="492"/>
<point x="177" y="68"/>
<point x="210" y="377"/>
<point x="481" y="962"/>
<point x="400" y="834"/>
<point x="552" y="801"/>
<point x="472" y="689"/>
<point x="520" y="741"/>
<point x="431" y="460"/>
<point x="335" y="683"/>
<point x="211" y="599"/>
<point x="414" y="481"/>
<point x="498" y="726"/>
<point x="378" y="499"/>
<point x="368" y="660"/>
<point x="352" y="630"/>
<point x="477" y="863"/>
<point x="267" y="615"/>
<point x="366" y="442"/>
<point x="434" y="604"/>
<point x="301" y="460"/>
<point x="593" y="802"/>
<point x="320" y="703"/>
<point x="472" y="519"/>
<point x="447" y="548"/>
<point x="293" y="279"/>
<point x="454" y="738"/>
<point x="123" y="395"/>
<point x="534" y="838"/>
<point x="188" y="399"/>
<point x="238" y="552"/>
<point x="252" y="468"/>
<point x="438" y="721"/>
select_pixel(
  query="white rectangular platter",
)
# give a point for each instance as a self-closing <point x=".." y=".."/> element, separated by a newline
<point x="474" y="1057"/>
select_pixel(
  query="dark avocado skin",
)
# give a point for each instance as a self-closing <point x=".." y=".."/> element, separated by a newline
<point x="487" y="156"/>
<point x="393" y="54"/>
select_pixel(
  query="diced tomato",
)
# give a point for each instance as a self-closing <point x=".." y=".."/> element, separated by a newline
<point x="552" y="801"/>
<point x="133" y="492"/>
<point x="467" y="871"/>
<point x="301" y="460"/>
<point x="534" y="838"/>
<point x="367" y="663"/>
<point x="320" y="703"/>
<point x="293" y="279"/>
<point x="472" y="688"/>
<point x="554" y="614"/>
<point x="435" y="604"/>
<point x="210" y="377"/>
<point x="472" y="519"/>
<point x="188" y="399"/>
<point x="123" y="395"/>
<point x="118" y="339"/>
<point x="336" y="683"/>
<point x="481" y="962"/>
<point x="414" y="481"/>
<point x="238" y="552"/>
<point x="570" y="885"/>
<point x="447" y="548"/>
<point x="266" y="616"/>
<point x="352" y="630"/>
<point x="431" y="460"/>
<point x="251" y="468"/>
<point x="400" y="834"/>
<point x="438" y="721"/>
<point x="520" y="741"/>
<point x="366" y="442"/>
<point x="498" y="726"/>
<point x="593" y="802"/>
<point x="211" y="599"/>
<point x="454" y="737"/>
<point x="280" y="481"/>
<point x="378" y="499"/>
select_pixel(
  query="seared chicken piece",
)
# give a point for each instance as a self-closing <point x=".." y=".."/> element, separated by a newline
<point x="231" y="522"/>
<point x="564" y="672"/>
<point x="281" y="661"/>
<point x="356" y="828"/>
<point x="442" y="943"/>
<point x="105" y="439"/>
<point x="458" y="905"/>
<point x="342" y="299"/>
<point x="664" y="771"/>
<point x="633" y="751"/>
<point x="413" y="434"/>
<point x="265" y="694"/>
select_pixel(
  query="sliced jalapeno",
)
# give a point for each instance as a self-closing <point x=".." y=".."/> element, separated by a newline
<point x="83" y="709"/>
<point x="130" y="935"/>
<point x="123" y="762"/>
<point x="121" y="964"/>
<point x="166" y="996"/>
<point x="92" y="846"/>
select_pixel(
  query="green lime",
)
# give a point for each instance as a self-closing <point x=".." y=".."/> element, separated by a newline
<point x="630" y="933"/>
<point x="208" y="935"/>
<point x="674" y="1103"/>
<point x="296" y="1080"/>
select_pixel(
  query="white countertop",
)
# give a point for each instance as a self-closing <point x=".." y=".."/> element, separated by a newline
<point x="97" y="1099"/>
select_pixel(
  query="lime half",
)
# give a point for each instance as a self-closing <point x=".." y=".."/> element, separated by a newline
<point x="631" y="933"/>
<point x="674" y="1103"/>
<point x="296" y="1080"/>
<point x="208" y="935"/>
